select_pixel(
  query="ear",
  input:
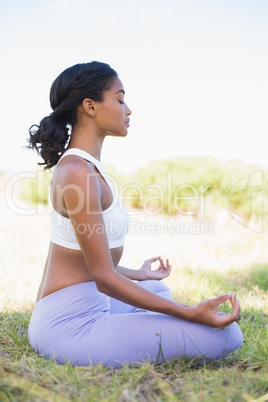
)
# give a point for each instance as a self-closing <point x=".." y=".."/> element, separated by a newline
<point x="89" y="107"/>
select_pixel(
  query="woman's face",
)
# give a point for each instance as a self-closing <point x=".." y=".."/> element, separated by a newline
<point x="112" y="114"/>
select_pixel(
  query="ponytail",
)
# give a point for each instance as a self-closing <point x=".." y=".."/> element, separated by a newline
<point x="52" y="135"/>
<point x="70" y="88"/>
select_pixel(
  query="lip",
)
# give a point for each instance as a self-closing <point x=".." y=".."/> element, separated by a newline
<point x="127" y="123"/>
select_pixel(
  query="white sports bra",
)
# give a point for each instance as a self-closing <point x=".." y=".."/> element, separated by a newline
<point x="115" y="216"/>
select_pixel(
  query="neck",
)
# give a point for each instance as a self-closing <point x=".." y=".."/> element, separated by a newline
<point x="86" y="141"/>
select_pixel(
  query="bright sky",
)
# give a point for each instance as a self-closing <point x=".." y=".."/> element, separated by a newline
<point x="195" y="74"/>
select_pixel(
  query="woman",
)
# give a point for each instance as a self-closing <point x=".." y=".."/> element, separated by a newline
<point x="88" y="308"/>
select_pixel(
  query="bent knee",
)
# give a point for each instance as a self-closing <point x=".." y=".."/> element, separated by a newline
<point x="235" y="337"/>
<point x="157" y="287"/>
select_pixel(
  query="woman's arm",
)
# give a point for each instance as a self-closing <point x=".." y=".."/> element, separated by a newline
<point x="146" y="272"/>
<point x="82" y="196"/>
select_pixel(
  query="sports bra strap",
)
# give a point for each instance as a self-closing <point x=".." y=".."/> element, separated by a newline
<point x="115" y="216"/>
<point x="85" y="155"/>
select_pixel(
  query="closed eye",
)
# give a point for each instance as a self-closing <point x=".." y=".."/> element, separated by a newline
<point x="122" y="102"/>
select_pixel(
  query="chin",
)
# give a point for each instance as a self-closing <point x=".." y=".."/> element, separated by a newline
<point x="122" y="134"/>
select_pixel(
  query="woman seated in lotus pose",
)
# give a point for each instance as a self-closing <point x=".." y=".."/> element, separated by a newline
<point x="89" y="309"/>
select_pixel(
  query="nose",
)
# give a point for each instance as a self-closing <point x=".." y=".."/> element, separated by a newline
<point x="128" y="111"/>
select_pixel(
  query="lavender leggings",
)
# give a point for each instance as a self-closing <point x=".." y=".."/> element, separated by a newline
<point x="80" y="325"/>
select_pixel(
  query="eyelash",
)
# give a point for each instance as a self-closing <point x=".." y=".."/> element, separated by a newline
<point x="121" y="102"/>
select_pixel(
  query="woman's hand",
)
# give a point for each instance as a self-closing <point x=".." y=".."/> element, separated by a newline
<point x="161" y="272"/>
<point x="207" y="312"/>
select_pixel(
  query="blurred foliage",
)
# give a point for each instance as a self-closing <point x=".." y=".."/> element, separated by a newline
<point x="35" y="186"/>
<point x="189" y="186"/>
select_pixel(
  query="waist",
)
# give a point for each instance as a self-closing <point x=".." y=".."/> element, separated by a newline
<point x="65" y="268"/>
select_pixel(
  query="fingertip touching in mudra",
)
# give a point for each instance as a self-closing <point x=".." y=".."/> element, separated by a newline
<point x="90" y="309"/>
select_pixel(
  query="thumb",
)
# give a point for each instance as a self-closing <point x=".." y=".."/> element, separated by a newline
<point x="153" y="259"/>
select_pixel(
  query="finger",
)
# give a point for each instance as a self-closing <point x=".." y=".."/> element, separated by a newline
<point x="234" y="316"/>
<point x="168" y="269"/>
<point x="161" y="260"/>
<point x="236" y="306"/>
<point x="222" y="299"/>
<point x="168" y="264"/>
<point x="233" y="300"/>
<point x="162" y="265"/>
<point x="165" y="264"/>
<point x="225" y="321"/>
<point x="236" y="310"/>
<point x="238" y="318"/>
<point x="153" y="259"/>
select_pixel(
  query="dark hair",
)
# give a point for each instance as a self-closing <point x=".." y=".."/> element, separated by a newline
<point x="70" y="88"/>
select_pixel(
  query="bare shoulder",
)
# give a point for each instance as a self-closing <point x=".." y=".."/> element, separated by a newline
<point x="74" y="169"/>
<point x="75" y="183"/>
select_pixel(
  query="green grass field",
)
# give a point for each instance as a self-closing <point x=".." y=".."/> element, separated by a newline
<point x="242" y="376"/>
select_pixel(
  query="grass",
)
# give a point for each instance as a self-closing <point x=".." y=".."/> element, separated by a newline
<point x="241" y="376"/>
